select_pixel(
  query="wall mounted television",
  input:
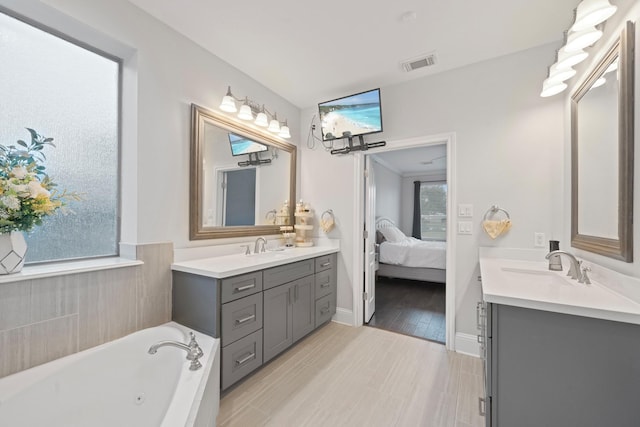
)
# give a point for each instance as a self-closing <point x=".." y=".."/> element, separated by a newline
<point x="350" y="116"/>
<point x="241" y="145"/>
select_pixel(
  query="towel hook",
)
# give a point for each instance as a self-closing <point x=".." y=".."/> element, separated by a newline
<point x="494" y="210"/>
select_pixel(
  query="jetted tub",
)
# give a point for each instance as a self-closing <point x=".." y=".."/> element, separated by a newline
<point x="118" y="384"/>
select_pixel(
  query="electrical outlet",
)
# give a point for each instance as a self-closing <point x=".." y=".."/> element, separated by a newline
<point x="539" y="240"/>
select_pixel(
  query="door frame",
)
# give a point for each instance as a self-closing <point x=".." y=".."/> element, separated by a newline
<point x="358" y="210"/>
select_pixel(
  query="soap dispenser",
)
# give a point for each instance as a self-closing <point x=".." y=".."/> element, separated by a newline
<point x="555" y="264"/>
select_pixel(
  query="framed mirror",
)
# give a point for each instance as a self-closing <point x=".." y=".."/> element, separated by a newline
<point x="240" y="178"/>
<point x="602" y="154"/>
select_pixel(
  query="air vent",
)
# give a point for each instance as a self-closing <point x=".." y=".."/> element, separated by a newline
<point x="419" y="62"/>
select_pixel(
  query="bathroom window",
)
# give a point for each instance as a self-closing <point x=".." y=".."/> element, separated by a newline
<point x="433" y="210"/>
<point x="69" y="93"/>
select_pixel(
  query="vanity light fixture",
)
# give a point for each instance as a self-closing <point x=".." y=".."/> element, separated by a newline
<point x="550" y="88"/>
<point x="578" y="40"/>
<point x="249" y="108"/>
<point x="560" y="74"/>
<point x="591" y="13"/>
<point x="569" y="59"/>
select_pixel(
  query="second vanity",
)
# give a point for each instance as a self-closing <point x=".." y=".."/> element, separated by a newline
<point x="258" y="305"/>
<point x="557" y="352"/>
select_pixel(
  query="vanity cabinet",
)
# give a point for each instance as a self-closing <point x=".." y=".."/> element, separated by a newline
<point x="552" y="369"/>
<point x="257" y="315"/>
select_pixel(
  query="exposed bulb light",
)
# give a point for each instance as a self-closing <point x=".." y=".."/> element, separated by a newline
<point x="261" y="119"/>
<point x="584" y="38"/>
<point x="569" y="59"/>
<point x="560" y="74"/>
<point x="591" y="13"/>
<point x="245" y="112"/>
<point x="284" y="131"/>
<point x="550" y="88"/>
<point x="228" y="102"/>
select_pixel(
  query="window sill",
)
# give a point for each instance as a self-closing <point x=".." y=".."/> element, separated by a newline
<point x="72" y="267"/>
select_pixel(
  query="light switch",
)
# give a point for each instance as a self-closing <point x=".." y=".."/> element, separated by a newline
<point x="465" y="211"/>
<point x="464" y="227"/>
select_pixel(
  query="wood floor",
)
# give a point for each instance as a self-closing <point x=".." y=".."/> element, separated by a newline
<point x="410" y="307"/>
<point x="346" y="376"/>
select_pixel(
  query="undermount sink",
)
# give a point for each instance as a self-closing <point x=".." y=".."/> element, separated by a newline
<point x="538" y="276"/>
<point x="267" y="255"/>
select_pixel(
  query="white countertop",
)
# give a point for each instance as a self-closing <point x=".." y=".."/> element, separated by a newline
<point x="522" y="279"/>
<point x="231" y="265"/>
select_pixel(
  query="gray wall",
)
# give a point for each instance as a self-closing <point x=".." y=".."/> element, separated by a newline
<point x="44" y="319"/>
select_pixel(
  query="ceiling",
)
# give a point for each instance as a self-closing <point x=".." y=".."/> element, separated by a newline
<point x="415" y="161"/>
<point x="309" y="52"/>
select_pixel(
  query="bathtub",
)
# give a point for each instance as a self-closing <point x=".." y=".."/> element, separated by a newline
<point x="118" y="384"/>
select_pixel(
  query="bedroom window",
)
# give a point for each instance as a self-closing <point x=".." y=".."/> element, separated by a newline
<point x="433" y="210"/>
<point x="71" y="93"/>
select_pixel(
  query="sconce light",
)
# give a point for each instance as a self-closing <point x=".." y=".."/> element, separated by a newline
<point x="550" y="88"/>
<point x="247" y="111"/>
<point x="584" y="38"/>
<point x="569" y="59"/>
<point x="560" y="74"/>
<point x="591" y="13"/>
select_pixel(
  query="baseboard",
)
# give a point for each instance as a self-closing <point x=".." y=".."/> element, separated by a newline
<point x="343" y="316"/>
<point x="467" y="344"/>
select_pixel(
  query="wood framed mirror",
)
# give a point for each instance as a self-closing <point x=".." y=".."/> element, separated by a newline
<point x="602" y="132"/>
<point x="240" y="178"/>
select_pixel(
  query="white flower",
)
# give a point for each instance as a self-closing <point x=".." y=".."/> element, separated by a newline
<point x="4" y="214"/>
<point x="36" y="189"/>
<point x="19" y="172"/>
<point x="18" y="188"/>
<point x="10" y="202"/>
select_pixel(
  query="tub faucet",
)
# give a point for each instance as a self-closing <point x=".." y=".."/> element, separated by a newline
<point x="257" y="245"/>
<point x="194" y="352"/>
<point x="575" y="271"/>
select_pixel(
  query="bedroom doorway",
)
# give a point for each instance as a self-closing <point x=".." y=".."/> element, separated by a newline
<point x="418" y="301"/>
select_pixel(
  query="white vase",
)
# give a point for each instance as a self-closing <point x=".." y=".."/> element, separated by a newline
<point x="13" y="249"/>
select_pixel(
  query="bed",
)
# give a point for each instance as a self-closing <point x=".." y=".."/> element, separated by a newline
<point x="405" y="257"/>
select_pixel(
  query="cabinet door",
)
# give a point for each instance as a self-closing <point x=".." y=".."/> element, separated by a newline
<point x="303" y="307"/>
<point x="277" y="324"/>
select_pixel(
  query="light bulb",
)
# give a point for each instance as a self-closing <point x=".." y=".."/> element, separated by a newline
<point x="583" y="38"/>
<point x="245" y="112"/>
<point x="569" y="59"/>
<point x="274" y="126"/>
<point x="592" y="12"/>
<point x="262" y="120"/>
<point x="284" y="131"/>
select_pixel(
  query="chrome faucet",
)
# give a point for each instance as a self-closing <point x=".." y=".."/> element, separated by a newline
<point x="257" y="245"/>
<point x="194" y="352"/>
<point x="575" y="271"/>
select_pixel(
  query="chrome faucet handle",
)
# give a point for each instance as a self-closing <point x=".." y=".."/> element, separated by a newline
<point x="584" y="278"/>
<point x="572" y="271"/>
<point x="247" y="251"/>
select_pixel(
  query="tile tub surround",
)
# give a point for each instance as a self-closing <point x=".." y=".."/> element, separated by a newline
<point x="611" y="296"/>
<point x="48" y="318"/>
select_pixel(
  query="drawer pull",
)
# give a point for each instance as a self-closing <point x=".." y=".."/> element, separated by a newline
<point x="244" y="288"/>
<point x="324" y="310"/>
<point x="245" y="359"/>
<point x="325" y="285"/>
<point x="480" y="339"/>
<point x="482" y="406"/>
<point x="246" y="319"/>
<point x="325" y="264"/>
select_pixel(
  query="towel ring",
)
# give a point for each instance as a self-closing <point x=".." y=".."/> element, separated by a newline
<point x="494" y="210"/>
<point x="328" y="213"/>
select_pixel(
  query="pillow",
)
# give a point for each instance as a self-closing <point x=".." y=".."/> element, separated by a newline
<point x="392" y="234"/>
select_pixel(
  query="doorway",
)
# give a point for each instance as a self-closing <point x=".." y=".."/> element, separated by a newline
<point x="362" y="252"/>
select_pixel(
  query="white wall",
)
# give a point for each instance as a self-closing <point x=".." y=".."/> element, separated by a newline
<point x="388" y="192"/>
<point x="628" y="10"/>
<point x="166" y="72"/>
<point x="509" y="152"/>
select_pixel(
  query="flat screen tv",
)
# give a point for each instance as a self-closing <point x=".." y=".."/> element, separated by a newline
<point x="241" y="145"/>
<point x="351" y="115"/>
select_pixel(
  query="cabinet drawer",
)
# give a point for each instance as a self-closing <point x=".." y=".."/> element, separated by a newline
<point x="324" y="310"/>
<point x="286" y="273"/>
<point x="241" y="358"/>
<point x="240" y="286"/>
<point x="324" y="283"/>
<point x="325" y="262"/>
<point x="241" y="317"/>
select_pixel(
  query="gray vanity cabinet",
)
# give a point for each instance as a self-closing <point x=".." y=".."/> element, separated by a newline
<point x="552" y="369"/>
<point x="259" y="314"/>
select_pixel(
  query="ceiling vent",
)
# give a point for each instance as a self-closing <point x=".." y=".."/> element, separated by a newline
<point x="412" y="64"/>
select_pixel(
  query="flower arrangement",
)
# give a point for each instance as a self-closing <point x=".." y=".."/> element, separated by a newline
<point x="27" y="194"/>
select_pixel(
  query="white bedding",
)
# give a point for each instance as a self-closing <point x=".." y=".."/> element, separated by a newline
<point x="412" y="252"/>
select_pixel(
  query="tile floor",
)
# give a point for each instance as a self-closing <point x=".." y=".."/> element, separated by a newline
<point x="346" y="376"/>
